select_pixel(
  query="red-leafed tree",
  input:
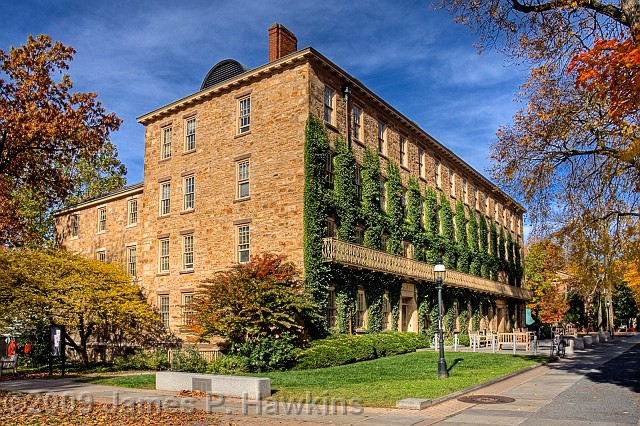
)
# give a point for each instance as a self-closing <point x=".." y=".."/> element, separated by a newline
<point x="50" y="138"/>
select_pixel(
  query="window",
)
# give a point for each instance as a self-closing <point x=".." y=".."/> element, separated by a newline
<point x="383" y="195"/>
<point x="187" y="308"/>
<point x="361" y="309"/>
<point x="357" y="122"/>
<point x="386" y="311"/>
<point x="511" y="224"/>
<point x="187" y="252"/>
<point x="167" y="135"/>
<point x="452" y="182"/>
<point x="359" y="235"/>
<point x="244" y="115"/>
<point x="495" y="211"/>
<point x="243" y="243"/>
<point x="131" y="261"/>
<point x="75" y="224"/>
<point x="358" y="181"/>
<point x="332" y="308"/>
<point x="243" y="179"/>
<point x="101" y="255"/>
<point x="102" y="219"/>
<point x="190" y="134"/>
<point x="164" y="255"/>
<point x="438" y="174"/>
<point x="465" y="194"/>
<point x="504" y="217"/>
<point x="328" y="105"/>
<point x="382" y="138"/>
<point x="165" y="198"/>
<point x="189" y="193"/>
<point x="476" y="197"/>
<point x="383" y="242"/>
<point x="133" y="212"/>
<point x="163" y="304"/>
<point x="332" y="228"/>
<point x="328" y="169"/>
<point x="486" y="206"/>
<point x="403" y="152"/>
<point x="421" y="163"/>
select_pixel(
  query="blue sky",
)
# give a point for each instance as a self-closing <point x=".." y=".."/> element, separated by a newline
<point x="141" y="55"/>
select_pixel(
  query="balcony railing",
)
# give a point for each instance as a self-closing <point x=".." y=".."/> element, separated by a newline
<point x="357" y="256"/>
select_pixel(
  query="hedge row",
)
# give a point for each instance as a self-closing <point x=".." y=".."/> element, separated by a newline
<point x="343" y="349"/>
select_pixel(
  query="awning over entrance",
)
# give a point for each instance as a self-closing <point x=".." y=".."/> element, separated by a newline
<point x="357" y="256"/>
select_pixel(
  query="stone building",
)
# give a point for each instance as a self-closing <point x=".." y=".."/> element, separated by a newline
<point x="224" y="180"/>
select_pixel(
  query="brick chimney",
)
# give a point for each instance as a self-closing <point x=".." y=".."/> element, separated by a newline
<point x="281" y="42"/>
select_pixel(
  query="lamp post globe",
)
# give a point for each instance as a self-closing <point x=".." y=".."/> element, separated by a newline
<point x="439" y="271"/>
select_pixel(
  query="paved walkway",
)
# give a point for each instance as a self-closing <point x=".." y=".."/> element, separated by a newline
<point x="598" y="386"/>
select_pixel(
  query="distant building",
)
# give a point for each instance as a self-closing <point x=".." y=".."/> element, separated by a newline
<point x="224" y="179"/>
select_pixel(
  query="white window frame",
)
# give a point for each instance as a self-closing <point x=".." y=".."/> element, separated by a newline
<point x="243" y="176"/>
<point x="244" y="115"/>
<point x="452" y="182"/>
<point x="101" y="255"/>
<point x="164" y="309"/>
<point x="132" y="212"/>
<point x="190" y="134"/>
<point x="75" y="225"/>
<point x="382" y="138"/>
<point x="187" y="252"/>
<point x="437" y="167"/>
<point x="102" y="219"/>
<point x="357" y="122"/>
<point x="188" y="188"/>
<point x="404" y="157"/>
<point x="329" y="105"/>
<point x="164" y="251"/>
<point x="421" y="168"/>
<point x="187" y="307"/>
<point x="132" y="260"/>
<point x="243" y="235"/>
<point x="465" y="191"/>
<point x="167" y="138"/>
<point x="165" y="198"/>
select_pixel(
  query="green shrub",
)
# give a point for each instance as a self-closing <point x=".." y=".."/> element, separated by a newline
<point x="189" y="360"/>
<point x="346" y="349"/>
<point x="228" y="364"/>
<point x="269" y="353"/>
<point x="464" y="339"/>
<point x="144" y="360"/>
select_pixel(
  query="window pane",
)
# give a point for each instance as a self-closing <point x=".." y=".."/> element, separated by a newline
<point x="190" y="134"/>
<point x="243" y="244"/>
<point x="189" y="188"/>
<point x="166" y="142"/>
<point x="244" y="115"/>
<point x="243" y="179"/>
<point x="188" y="252"/>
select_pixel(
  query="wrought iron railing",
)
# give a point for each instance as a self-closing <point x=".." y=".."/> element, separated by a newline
<point x="357" y="256"/>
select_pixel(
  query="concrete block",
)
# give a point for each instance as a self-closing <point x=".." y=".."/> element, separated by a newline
<point x="604" y="336"/>
<point x="595" y="339"/>
<point x="588" y="340"/>
<point x="413" y="403"/>
<point x="578" y="343"/>
<point x="233" y="386"/>
<point x="568" y="349"/>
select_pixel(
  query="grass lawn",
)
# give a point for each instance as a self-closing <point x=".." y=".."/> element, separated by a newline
<point x="382" y="382"/>
<point x="139" y="381"/>
<point x="378" y="383"/>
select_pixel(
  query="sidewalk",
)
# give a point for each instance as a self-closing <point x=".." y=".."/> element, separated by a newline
<point x="532" y="390"/>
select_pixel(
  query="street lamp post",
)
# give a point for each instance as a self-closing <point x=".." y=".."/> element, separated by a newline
<point x="438" y="271"/>
<point x="610" y="320"/>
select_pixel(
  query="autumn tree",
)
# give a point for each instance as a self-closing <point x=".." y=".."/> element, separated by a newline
<point x="579" y="125"/>
<point x="542" y="264"/>
<point x="96" y="301"/>
<point x="263" y="297"/>
<point x="54" y="143"/>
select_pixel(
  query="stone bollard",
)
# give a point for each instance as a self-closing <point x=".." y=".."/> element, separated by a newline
<point x="606" y="336"/>
<point x="578" y="343"/>
<point x="588" y="340"/>
<point x="595" y="339"/>
<point x="568" y="350"/>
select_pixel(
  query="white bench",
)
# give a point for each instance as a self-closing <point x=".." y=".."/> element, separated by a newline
<point x="254" y="388"/>
<point x="9" y="363"/>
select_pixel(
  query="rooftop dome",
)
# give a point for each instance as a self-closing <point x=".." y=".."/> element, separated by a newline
<point x="223" y="70"/>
